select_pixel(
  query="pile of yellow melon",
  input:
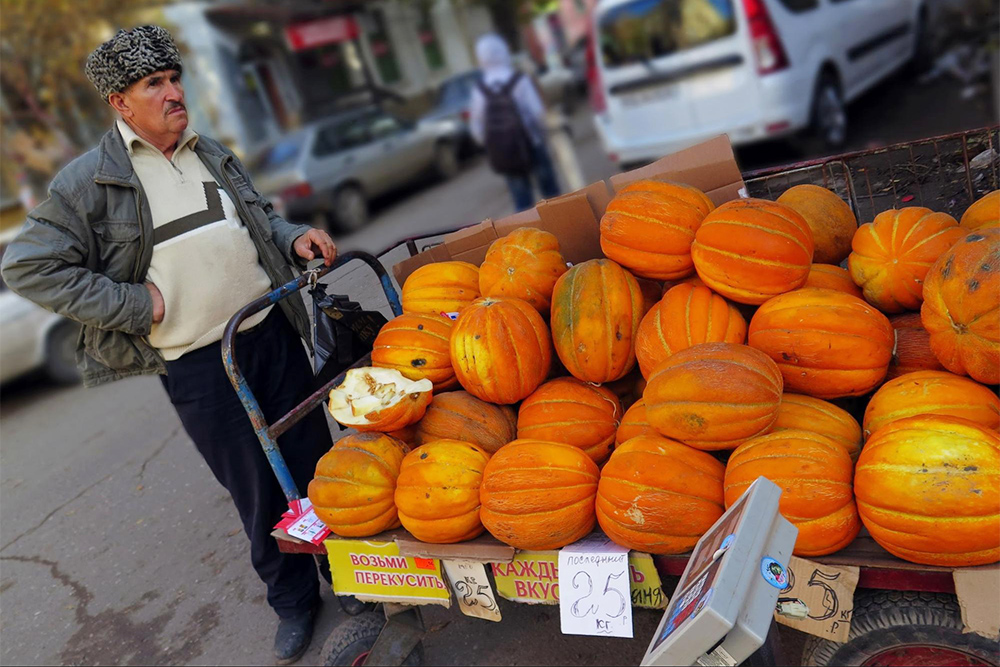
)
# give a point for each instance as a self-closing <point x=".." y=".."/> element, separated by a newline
<point x="520" y="418"/>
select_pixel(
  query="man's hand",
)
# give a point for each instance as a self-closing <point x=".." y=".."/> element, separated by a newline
<point x="158" y="306"/>
<point x="313" y="241"/>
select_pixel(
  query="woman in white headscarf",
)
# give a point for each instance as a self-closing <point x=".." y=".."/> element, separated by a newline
<point x="514" y="142"/>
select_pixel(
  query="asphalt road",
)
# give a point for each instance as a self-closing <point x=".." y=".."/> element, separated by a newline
<point x="118" y="547"/>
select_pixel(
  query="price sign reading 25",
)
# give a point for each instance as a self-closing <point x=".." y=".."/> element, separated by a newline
<point x="609" y="603"/>
<point x="594" y="589"/>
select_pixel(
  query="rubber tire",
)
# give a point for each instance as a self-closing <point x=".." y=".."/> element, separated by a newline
<point x="886" y="619"/>
<point x="360" y="219"/>
<point x="60" y="353"/>
<point x="356" y="636"/>
<point x="923" y="51"/>
<point x="818" y="141"/>
<point x="324" y="220"/>
<point x="447" y="151"/>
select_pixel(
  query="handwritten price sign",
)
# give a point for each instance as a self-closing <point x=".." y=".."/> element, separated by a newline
<point x="472" y="589"/>
<point x="828" y="591"/>
<point x="594" y="589"/>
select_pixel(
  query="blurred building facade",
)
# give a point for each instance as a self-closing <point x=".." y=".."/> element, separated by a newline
<point x="254" y="71"/>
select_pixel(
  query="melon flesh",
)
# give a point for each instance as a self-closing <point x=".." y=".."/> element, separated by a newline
<point x="367" y="392"/>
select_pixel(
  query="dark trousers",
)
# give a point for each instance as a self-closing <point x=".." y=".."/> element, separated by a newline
<point x="272" y="359"/>
<point x="543" y="173"/>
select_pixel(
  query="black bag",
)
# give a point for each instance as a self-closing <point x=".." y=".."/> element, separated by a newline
<point x="506" y="140"/>
<point x="343" y="333"/>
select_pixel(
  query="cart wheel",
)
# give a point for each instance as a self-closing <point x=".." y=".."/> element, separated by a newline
<point x="351" y="641"/>
<point x="904" y="628"/>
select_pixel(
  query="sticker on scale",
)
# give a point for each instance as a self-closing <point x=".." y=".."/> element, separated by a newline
<point x="718" y="657"/>
<point x="773" y="572"/>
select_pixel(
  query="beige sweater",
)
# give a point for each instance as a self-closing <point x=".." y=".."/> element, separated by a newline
<point x="204" y="262"/>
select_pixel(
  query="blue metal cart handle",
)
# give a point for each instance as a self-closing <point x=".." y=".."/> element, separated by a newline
<point x="268" y="434"/>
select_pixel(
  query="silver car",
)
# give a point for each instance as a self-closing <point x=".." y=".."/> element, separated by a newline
<point x="33" y="338"/>
<point x="327" y="172"/>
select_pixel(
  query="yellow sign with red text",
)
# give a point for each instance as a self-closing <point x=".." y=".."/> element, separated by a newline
<point x="533" y="578"/>
<point x="374" y="571"/>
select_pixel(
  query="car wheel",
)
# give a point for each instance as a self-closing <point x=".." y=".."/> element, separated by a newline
<point x="351" y="207"/>
<point x="923" y="49"/>
<point x="446" y="160"/>
<point x="829" y="114"/>
<point x="60" y="353"/>
<point x="323" y="220"/>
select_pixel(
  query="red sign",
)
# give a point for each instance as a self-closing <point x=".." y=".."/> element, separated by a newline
<point x="333" y="30"/>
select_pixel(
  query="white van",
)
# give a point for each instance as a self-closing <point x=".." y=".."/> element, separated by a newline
<point x="666" y="74"/>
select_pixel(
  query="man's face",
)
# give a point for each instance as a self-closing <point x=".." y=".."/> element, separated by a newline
<point x="155" y="103"/>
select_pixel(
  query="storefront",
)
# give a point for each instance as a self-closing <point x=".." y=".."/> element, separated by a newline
<point x="265" y="69"/>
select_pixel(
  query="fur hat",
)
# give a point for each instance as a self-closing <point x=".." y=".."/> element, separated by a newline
<point x="129" y="56"/>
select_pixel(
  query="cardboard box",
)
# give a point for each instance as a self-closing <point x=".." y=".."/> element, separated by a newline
<point x="575" y="218"/>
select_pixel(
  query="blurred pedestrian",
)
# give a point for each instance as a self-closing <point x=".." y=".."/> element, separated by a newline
<point x="507" y="117"/>
<point x="153" y="240"/>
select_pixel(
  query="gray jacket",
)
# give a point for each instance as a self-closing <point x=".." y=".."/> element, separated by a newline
<point x="84" y="253"/>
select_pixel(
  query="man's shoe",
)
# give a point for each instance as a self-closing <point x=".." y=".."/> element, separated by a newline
<point x="293" y="636"/>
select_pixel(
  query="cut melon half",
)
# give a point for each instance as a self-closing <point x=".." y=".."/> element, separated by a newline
<point x="379" y="399"/>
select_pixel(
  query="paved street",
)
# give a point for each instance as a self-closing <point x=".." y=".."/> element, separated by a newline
<point x="118" y="547"/>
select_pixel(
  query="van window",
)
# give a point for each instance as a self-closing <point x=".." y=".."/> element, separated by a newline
<point x="646" y="29"/>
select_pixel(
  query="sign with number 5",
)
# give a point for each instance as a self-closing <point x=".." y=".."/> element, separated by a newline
<point x="594" y="589"/>
<point x="828" y="591"/>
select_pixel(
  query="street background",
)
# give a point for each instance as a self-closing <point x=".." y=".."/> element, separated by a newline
<point x="118" y="547"/>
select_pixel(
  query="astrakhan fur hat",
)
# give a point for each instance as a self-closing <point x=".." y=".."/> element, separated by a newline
<point x="129" y="56"/>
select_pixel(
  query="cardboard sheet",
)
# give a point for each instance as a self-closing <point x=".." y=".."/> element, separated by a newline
<point x="575" y="218"/>
<point x="978" y="590"/>
<point x="828" y="591"/>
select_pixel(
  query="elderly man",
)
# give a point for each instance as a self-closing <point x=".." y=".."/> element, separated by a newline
<point x="152" y="241"/>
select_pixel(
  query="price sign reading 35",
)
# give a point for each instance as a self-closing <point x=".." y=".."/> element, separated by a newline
<point x="594" y="596"/>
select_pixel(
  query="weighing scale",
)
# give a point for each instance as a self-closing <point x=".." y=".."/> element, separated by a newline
<point x="724" y="603"/>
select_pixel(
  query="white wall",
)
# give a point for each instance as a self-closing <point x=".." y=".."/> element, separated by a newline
<point x="212" y="102"/>
<point x="455" y="45"/>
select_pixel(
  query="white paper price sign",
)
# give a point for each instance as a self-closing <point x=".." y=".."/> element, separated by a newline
<point x="594" y="597"/>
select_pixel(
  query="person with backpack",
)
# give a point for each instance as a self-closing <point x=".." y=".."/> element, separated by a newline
<point x="507" y="117"/>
